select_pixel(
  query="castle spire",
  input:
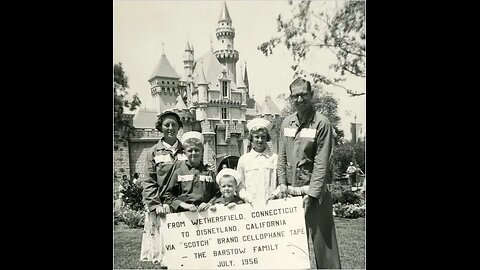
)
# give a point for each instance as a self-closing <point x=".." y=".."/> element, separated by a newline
<point x="245" y="77"/>
<point x="226" y="53"/>
<point x="187" y="47"/>
<point x="224" y="15"/>
<point x="201" y="76"/>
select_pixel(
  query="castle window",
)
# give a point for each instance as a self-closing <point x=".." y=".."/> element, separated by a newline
<point x="223" y="41"/>
<point x="168" y="82"/>
<point x="225" y="89"/>
<point x="224" y="113"/>
<point x="163" y="81"/>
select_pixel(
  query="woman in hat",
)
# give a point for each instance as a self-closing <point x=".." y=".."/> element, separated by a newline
<point x="159" y="165"/>
<point x="258" y="168"/>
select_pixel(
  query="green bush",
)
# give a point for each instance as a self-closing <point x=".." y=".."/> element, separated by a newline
<point x="337" y="192"/>
<point x="351" y="197"/>
<point x="132" y="195"/>
<point x="349" y="210"/>
<point x="117" y="217"/>
<point x="133" y="218"/>
<point x="345" y="195"/>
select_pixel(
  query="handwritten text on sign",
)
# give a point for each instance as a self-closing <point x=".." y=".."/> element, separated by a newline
<point x="260" y="237"/>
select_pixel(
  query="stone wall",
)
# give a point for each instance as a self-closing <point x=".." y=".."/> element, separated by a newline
<point x="121" y="162"/>
<point x="138" y="151"/>
<point x="209" y="150"/>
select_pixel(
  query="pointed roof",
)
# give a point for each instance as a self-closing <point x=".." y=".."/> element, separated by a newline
<point x="201" y="74"/>
<point x="224" y="15"/>
<point x="245" y="77"/>
<point x="256" y="110"/>
<point x="188" y="48"/>
<point x="211" y="67"/>
<point x="240" y="82"/>
<point x="180" y="105"/>
<point x="269" y="107"/>
<point x="164" y="69"/>
<point x="145" y="118"/>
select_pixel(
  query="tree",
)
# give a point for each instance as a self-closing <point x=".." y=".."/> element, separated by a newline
<point x="348" y="152"/>
<point x="323" y="102"/>
<point x="122" y="125"/>
<point x="342" y="34"/>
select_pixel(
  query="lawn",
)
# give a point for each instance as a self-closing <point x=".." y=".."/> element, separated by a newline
<point x="350" y="236"/>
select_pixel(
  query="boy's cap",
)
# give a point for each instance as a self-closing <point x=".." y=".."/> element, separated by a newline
<point x="192" y="134"/>
<point x="227" y="171"/>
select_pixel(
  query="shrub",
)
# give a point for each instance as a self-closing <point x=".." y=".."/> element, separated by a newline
<point x="117" y="217"/>
<point x="132" y="195"/>
<point x="337" y="192"/>
<point x="351" y="197"/>
<point x="133" y="218"/>
<point x="349" y="210"/>
<point x="345" y="195"/>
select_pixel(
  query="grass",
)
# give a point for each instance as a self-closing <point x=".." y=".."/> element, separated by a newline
<point x="350" y="237"/>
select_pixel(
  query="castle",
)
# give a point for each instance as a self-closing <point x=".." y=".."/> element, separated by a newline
<point x="210" y="96"/>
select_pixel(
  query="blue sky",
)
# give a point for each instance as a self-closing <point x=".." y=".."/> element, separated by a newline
<point x="140" y="28"/>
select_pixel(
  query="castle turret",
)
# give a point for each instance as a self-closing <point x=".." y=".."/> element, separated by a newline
<point x="188" y="59"/>
<point x="164" y="84"/>
<point x="202" y="90"/>
<point x="242" y="87"/>
<point x="245" y="79"/>
<point x="226" y="54"/>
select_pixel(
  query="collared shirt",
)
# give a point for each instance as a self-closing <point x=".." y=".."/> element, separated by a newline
<point x="222" y="200"/>
<point x="158" y="167"/>
<point x="169" y="147"/>
<point x="258" y="177"/>
<point x="305" y="153"/>
<point x="191" y="185"/>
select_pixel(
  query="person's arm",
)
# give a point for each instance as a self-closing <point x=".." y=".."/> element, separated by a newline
<point x="322" y="161"/>
<point x="214" y="189"/>
<point x="242" y="193"/>
<point x="172" y="192"/>
<point x="282" y="160"/>
<point x="151" y="189"/>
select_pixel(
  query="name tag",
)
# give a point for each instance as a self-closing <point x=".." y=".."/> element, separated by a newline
<point x="185" y="178"/>
<point x="205" y="178"/>
<point x="308" y="133"/>
<point x="289" y="132"/>
<point x="181" y="157"/>
<point x="162" y="158"/>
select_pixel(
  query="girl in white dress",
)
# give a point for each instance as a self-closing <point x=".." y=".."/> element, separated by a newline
<point x="258" y="168"/>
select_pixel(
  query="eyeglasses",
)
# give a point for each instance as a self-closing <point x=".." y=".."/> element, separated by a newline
<point x="303" y="95"/>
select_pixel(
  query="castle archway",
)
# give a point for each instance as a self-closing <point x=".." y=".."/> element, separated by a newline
<point x="230" y="161"/>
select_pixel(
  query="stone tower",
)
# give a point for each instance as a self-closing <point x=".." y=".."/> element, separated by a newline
<point x="164" y="85"/>
<point x="226" y="53"/>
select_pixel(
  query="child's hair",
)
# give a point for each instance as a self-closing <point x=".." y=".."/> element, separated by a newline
<point x="229" y="177"/>
<point x="250" y="136"/>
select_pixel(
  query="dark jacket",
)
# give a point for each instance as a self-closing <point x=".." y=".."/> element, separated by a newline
<point x="191" y="185"/>
<point x="158" y="168"/>
<point x="305" y="153"/>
